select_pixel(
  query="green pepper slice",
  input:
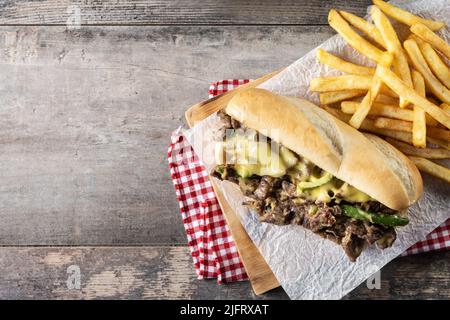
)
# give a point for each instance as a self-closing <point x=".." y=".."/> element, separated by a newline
<point x="390" y="220"/>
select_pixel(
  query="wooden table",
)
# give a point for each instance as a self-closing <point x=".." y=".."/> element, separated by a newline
<point x="85" y="119"/>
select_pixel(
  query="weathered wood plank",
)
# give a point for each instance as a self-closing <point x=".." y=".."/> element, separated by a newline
<point x="86" y="117"/>
<point x="190" y="12"/>
<point x="167" y="273"/>
<point x="118" y="273"/>
<point x="422" y="276"/>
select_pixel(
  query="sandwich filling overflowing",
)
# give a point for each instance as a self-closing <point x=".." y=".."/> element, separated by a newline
<point x="285" y="188"/>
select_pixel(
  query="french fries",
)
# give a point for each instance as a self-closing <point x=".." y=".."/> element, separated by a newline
<point x="417" y="59"/>
<point x="342" y="65"/>
<point x="354" y="39"/>
<point x="405" y="16"/>
<point x="344" y="82"/>
<point x="439" y="143"/>
<point x="406" y="126"/>
<point x="362" y="25"/>
<point x="409" y="106"/>
<point x="439" y="68"/>
<point x="438" y="133"/>
<point x="426" y="153"/>
<point x="394" y="124"/>
<point x="398" y="86"/>
<point x="394" y="46"/>
<point x="445" y="107"/>
<point x="432" y="168"/>
<point x="419" y="127"/>
<point x="429" y="36"/>
<point x="364" y="108"/>
<point x="382" y="98"/>
<point x="336" y="96"/>
<point x="384" y="110"/>
<point x="368" y="126"/>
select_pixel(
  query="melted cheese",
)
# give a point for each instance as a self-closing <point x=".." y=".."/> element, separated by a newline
<point x="328" y="191"/>
<point x="258" y="157"/>
<point x="251" y="157"/>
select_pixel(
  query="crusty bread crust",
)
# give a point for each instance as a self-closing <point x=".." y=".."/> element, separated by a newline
<point x="366" y="162"/>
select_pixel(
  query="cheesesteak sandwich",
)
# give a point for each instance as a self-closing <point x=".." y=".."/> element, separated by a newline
<point x="297" y="164"/>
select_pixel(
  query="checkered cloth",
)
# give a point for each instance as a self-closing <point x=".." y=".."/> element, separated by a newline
<point x="212" y="247"/>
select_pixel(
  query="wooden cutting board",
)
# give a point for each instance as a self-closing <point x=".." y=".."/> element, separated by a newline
<point x="261" y="277"/>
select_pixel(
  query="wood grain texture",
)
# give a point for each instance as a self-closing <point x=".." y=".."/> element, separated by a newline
<point x="86" y="118"/>
<point x="173" y="12"/>
<point x="167" y="273"/>
<point x="422" y="276"/>
<point x="111" y="273"/>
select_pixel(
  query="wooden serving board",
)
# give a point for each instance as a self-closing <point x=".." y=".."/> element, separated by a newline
<point x="261" y="276"/>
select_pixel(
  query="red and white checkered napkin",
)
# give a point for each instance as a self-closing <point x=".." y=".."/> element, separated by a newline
<point x="213" y="249"/>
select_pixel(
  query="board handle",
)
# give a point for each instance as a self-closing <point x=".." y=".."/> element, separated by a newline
<point x="204" y="109"/>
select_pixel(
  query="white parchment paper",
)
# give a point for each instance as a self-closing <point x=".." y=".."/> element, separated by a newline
<point x="307" y="266"/>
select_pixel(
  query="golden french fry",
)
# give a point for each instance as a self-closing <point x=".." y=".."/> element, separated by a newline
<point x="419" y="41"/>
<point x="402" y="68"/>
<point x="344" y="82"/>
<point x="336" y="96"/>
<point x="366" y="27"/>
<point x="435" y="63"/>
<point x="445" y="107"/>
<point x="432" y="168"/>
<point x="379" y="109"/>
<point x="438" y="133"/>
<point x="398" y="86"/>
<point x="364" y="108"/>
<point x="434" y="60"/>
<point x="368" y="126"/>
<point x="382" y="98"/>
<point x="353" y="38"/>
<point x="386" y="29"/>
<point x="429" y="36"/>
<point x="417" y="59"/>
<point x="384" y="110"/>
<point x="405" y="16"/>
<point x="406" y="126"/>
<point x="427" y="153"/>
<point x="394" y="46"/>
<point x="419" y="127"/>
<point x="342" y="65"/>
<point x="393" y="124"/>
<point x="440" y="143"/>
